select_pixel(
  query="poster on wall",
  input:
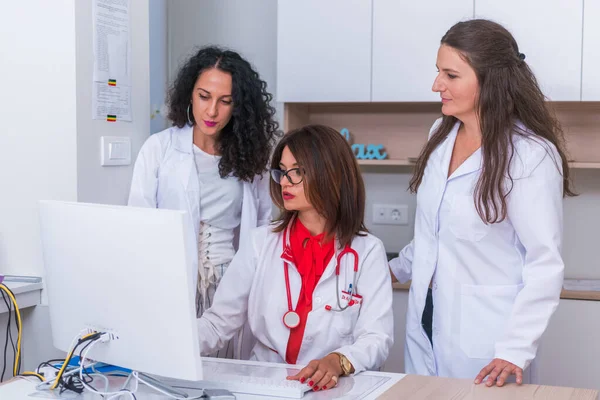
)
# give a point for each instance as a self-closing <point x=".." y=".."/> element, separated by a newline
<point x="112" y="103"/>
<point x="112" y="60"/>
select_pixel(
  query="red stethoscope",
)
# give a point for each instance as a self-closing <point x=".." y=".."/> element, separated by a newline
<point x="291" y="319"/>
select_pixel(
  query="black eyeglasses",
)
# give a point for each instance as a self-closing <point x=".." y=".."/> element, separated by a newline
<point x="294" y="175"/>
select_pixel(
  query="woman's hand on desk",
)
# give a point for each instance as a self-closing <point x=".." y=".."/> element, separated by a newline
<point x="320" y="374"/>
<point x="499" y="370"/>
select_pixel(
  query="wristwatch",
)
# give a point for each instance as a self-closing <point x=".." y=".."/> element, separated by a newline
<point x="347" y="367"/>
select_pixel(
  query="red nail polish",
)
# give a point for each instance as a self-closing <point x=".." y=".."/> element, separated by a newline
<point x="311" y="383"/>
<point x="316" y="388"/>
<point x="302" y="380"/>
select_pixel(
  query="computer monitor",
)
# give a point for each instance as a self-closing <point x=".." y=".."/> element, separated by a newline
<point x="126" y="271"/>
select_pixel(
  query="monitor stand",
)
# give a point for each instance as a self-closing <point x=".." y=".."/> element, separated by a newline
<point x="168" y="389"/>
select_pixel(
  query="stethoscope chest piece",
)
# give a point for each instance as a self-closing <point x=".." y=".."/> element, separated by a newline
<point x="291" y="319"/>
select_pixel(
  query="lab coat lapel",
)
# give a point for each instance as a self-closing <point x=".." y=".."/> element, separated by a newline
<point x="445" y="152"/>
<point x="470" y="165"/>
<point x="186" y="170"/>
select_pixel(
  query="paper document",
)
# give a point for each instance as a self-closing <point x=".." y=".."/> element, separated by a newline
<point x="111" y="92"/>
<point x="111" y="103"/>
<point x="112" y="41"/>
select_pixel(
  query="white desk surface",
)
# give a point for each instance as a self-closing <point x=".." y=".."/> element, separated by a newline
<point x="22" y="389"/>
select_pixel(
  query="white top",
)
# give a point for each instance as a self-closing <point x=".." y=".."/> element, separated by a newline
<point x="254" y="290"/>
<point x="220" y="205"/>
<point x="495" y="286"/>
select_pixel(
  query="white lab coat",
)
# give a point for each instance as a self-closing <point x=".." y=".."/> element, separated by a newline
<point x="495" y="286"/>
<point x="164" y="176"/>
<point x="254" y="289"/>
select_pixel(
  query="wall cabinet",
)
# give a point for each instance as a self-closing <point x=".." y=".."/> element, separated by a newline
<point x="406" y="38"/>
<point x="324" y="51"/>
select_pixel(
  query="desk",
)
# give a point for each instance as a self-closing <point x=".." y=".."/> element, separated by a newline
<point x="416" y="387"/>
<point x="411" y="387"/>
<point x="353" y="387"/>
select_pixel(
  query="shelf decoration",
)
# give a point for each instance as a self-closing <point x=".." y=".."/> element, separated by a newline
<point x="365" y="151"/>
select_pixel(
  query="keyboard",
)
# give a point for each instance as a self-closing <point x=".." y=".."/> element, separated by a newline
<point x="257" y="385"/>
<point x="247" y="377"/>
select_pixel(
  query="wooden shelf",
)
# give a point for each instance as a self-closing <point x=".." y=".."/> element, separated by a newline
<point x="399" y="163"/>
<point x="565" y="294"/>
<point x="580" y="295"/>
<point x="402" y="127"/>
<point x="410" y="163"/>
<point x="584" y="165"/>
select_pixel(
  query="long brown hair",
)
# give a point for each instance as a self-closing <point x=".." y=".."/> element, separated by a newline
<point x="508" y="93"/>
<point x="332" y="181"/>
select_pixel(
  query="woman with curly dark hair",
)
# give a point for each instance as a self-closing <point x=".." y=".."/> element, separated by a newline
<point x="211" y="162"/>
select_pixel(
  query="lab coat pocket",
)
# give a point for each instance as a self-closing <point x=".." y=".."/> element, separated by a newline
<point x="484" y="312"/>
<point x="465" y="222"/>
<point x="345" y="321"/>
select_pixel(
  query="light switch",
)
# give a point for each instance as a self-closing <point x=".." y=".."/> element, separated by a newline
<point x="115" y="150"/>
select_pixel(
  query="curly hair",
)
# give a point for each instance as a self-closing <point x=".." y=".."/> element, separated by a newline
<point x="245" y="143"/>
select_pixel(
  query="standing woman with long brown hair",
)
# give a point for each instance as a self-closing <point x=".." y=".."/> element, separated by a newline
<point x="485" y="260"/>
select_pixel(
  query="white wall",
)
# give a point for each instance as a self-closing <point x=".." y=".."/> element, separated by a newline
<point x="38" y="148"/>
<point x="95" y="183"/>
<point x="248" y="27"/>
<point x="50" y="146"/>
<point x="389" y="185"/>
<point x="159" y="62"/>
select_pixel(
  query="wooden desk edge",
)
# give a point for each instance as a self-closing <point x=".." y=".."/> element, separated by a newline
<point x="565" y="294"/>
<point x="465" y="389"/>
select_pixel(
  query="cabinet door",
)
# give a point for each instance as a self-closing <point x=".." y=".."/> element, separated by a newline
<point x="406" y="38"/>
<point x="591" y="51"/>
<point x="569" y="348"/>
<point x="549" y="33"/>
<point x="324" y="51"/>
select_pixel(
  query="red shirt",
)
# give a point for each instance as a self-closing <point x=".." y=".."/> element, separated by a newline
<point x="311" y="260"/>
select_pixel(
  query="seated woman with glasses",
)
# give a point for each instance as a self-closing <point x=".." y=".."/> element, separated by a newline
<point x="314" y="285"/>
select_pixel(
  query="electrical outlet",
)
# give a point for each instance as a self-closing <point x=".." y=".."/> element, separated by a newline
<point x="390" y="214"/>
